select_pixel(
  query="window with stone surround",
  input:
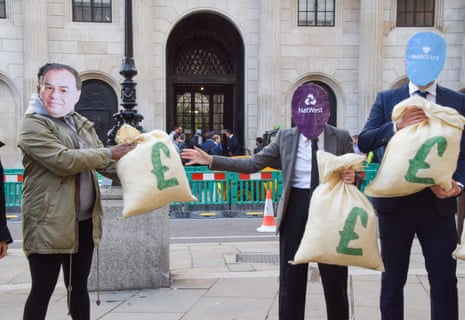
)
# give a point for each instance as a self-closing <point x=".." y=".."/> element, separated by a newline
<point x="316" y="13"/>
<point x="2" y="9"/>
<point x="415" y="13"/>
<point x="92" y="11"/>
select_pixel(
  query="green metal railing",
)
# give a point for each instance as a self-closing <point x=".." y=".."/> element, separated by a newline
<point x="369" y="173"/>
<point x="210" y="187"/>
<point x="221" y="187"/>
<point x="13" y="183"/>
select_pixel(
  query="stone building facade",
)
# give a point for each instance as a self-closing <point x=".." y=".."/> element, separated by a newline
<point x="265" y="54"/>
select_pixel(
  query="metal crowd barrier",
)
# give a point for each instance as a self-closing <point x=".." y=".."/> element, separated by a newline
<point x="13" y="182"/>
<point x="221" y="187"/>
<point x="210" y="187"/>
<point x="369" y="173"/>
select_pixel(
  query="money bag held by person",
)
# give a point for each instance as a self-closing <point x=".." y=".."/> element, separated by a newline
<point x="423" y="154"/>
<point x="342" y="226"/>
<point x="420" y="155"/>
<point x="152" y="175"/>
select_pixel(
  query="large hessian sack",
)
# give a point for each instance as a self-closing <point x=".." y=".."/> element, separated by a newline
<point x="420" y="155"/>
<point x="152" y="175"/>
<point x="342" y="226"/>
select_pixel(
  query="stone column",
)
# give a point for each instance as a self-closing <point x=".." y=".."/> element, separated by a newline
<point x="370" y="55"/>
<point x="150" y="96"/>
<point x="35" y="44"/>
<point x="269" y="93"/>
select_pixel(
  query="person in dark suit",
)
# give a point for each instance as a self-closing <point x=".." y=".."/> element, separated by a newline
<point x="291" y="153"/>
<point x="233" y="145"/>
<point x="5" y="236"/>
<point x="259" y="145"/>
<point x="428" y="214"/>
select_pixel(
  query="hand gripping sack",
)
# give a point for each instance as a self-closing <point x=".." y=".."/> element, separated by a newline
<point x="420" y="155"/>
<point x="342" y="226"/>
<point x="152" y="175"/>
<point x="459" y="252"/>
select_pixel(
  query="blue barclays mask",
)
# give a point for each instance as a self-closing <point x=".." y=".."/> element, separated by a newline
<point x="425" y="57"/>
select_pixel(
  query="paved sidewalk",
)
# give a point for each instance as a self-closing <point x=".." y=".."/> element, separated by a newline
<point x="220" y="281"/>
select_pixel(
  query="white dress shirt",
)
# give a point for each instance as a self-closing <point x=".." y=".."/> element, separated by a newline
<point x="303" y="162"/>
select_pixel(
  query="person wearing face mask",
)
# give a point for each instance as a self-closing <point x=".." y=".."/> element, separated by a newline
<point x="428" y="215"/>
<point x="291" y="152"/>
<point x="61" y="207"/>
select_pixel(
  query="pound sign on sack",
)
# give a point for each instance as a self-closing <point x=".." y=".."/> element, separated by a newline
<point x="348" y="234"/>
<point x="159" y="169"/>
<point x="418" y="162"/>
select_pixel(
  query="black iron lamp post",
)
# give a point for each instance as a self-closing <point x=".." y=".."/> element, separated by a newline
<point x="128" y="70"/>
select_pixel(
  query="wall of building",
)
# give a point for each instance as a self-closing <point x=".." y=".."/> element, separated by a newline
<point x="362" y="54"/>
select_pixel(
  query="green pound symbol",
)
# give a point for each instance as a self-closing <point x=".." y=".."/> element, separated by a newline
<point x="418" y="162"/>
<point x="348" y="233"/>
<point x="159" y="169"/>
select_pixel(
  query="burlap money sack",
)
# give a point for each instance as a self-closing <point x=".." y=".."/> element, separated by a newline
<point x="419" y="155"/>
<point x="342" y="226"/>
<point x="152" y="175"/>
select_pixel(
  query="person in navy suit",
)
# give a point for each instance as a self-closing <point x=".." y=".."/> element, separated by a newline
<point x="233" y="145"/>
<point x="428" y="214"/>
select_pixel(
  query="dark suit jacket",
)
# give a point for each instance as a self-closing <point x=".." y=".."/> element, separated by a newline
<point x="281" y="154"/>
<point x="378" y="131"/>
<point x="234" y="146"/>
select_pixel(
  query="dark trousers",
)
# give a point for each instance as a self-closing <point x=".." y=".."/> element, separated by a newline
<point x="438" y="238"/>
<point x="45" y="269"/>
<point x="293" y="278"/>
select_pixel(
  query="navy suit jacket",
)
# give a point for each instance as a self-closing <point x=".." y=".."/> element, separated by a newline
<point x="379" y="129"/>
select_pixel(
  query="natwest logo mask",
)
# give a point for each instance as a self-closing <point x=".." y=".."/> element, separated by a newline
<point x="310" y="109"/>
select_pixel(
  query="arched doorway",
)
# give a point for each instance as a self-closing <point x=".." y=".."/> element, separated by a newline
<point x="205" y="75"/>
<point x="98" y="103"/>
<point x="332" y="102"/>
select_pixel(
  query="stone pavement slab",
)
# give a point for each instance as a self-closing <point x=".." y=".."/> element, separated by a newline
<point x="221" y="281"/>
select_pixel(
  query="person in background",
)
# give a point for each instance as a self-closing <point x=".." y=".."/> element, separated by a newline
<point x="182" y="142"/>
<point x="177" y="129"/>
<point x="291" y="152"/>
<point x="210" y="145"/>
<point x="5" y="236"/>
<point x="355" y="142"/>
<point x="428" y="214"/>
<point x="219" y="143"/>
<point x="233" y="145"/>
<point x="196" y="140"/>
<point x="258" y="145"/>
<point x="176" y="138"/>
<point x="61" y="206"/>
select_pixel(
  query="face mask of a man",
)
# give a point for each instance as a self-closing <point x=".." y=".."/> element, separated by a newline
<point x="310" y="110"/>
<point x="58" y="92"/>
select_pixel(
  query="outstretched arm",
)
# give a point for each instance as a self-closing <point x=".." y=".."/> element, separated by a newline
<point x="196" y="156"/>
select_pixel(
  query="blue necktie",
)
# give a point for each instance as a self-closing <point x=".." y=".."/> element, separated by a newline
<point x="422" y="94"/>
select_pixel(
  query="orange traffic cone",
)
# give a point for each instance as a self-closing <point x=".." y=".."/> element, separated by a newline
<point x="268" y="224"/>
